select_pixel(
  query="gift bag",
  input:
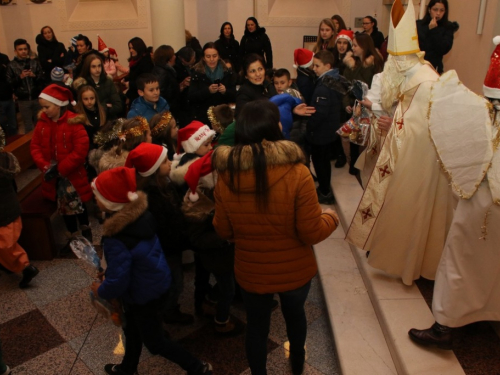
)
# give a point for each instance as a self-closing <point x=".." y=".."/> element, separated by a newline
<point x="357" y="128"/>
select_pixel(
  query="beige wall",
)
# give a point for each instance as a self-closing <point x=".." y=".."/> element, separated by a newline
<point x="286" y="22"/>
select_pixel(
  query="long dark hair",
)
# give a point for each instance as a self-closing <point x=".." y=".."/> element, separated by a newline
<point x="85" y="72"/>
<point x="365" y="42"/>
<point x="139" y="47"/>
<point x="257" y="121"/>
<point x="341" y="22"/>
<point x="222" y="36"/>
<point x="257" y="27"/>
<point x="427" y="18"/>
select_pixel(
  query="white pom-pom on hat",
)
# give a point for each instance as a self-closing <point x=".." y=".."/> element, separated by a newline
<point x="132" y="196"/>
<point x="496" y="40"/>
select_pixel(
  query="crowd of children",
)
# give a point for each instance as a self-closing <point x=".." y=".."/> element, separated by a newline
<point x="151" y="172"/>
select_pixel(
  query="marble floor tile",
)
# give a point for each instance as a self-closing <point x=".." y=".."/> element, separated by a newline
<point x="79" y="368"/>
<point x="321" y="353"/>
<point x="74" y="315"/>
<point x="59" y="360"/>
<point x="56" y="282"/>
<point x="13" y="301"/>
<point x="26" y="337"/>
<point x="102" y="345"/>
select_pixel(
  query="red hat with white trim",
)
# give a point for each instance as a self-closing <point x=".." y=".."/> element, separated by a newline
<point x="101" y="46"/>
<point x="58" y="95"/>
<point x="491" y="86"/>
<point x="115" y="187"/>
<point x="302" y="58"/>
<point x="345" y="34"/>
<point x="197" y="170"/>
<point x="192" y="136"/>
<point x="146" y="158"/>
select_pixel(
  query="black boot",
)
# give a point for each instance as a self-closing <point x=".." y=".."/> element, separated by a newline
<point x="438" y="335"/>
<point x="28" y="274"/>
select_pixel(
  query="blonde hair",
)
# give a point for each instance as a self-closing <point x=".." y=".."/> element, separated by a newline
<point x="80" y="108"/>
<point x="133" y="132"/>
<point x="331" y="42"/>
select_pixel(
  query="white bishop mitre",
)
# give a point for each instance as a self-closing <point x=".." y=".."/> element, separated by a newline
<point x="403" y="37"/>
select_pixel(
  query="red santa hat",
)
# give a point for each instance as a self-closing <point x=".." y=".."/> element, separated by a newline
<point x="59" y="95"/>
<point x="200" y="168"/>
<point x="113" y="54"/>
<point x="146" y="158"/>
<point x="191" y="137"/>
<point x="115" y="187"/>
<point x="101" y="46"/>
<point x="491" y="86"/>
<point x="303" y="58"/>
<point x="345" y="34"/>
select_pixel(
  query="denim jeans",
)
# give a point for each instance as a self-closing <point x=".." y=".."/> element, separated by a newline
<point x="8" y="119"/>
<point x="143" y="326"/>
<point x="258" y="308"/>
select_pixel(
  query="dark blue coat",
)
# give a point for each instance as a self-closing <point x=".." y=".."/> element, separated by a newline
<point x="140" y="107"/>
<point x="323" y="124"/>
<point x="137" y="271"/>
<point x="286" y="103"/>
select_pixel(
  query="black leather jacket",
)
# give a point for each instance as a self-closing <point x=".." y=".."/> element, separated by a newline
<point x="27" y="88"/>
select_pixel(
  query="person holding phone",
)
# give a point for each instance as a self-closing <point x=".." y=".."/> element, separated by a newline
<point x="25" y="75"/>
<point x="435" y="33"/>
<point x="211" y="84"/>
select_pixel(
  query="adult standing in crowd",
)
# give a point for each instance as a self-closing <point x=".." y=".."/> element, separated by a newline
<point x="262" y="180"/>
<point x="228" y="47"/>
<point x="435" y="33"/>
<point x="164" y="60"/>
<point x="139" y="62"/>
<point x="338" y="23"/>
<point x="255" y="40"/>
<point x="84" y="48"/>
<point x="25" y="75"/>
<point x="51" y="52"/>
<point x="212" y="84"/>
<point x="93" y="74"/>
<point x="185" y="59"/>
<point x="326" y="36"/>
<point x="370" y="28"/>
<point x="8" y="120"/>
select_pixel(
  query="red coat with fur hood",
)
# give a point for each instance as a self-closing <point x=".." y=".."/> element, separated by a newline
<point x="67" y="143"/>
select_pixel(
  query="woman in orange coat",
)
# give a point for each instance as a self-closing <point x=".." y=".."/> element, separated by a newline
<point x="266" y="203"/>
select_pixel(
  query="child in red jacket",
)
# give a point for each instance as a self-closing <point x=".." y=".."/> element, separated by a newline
<point x="59" y="147"/>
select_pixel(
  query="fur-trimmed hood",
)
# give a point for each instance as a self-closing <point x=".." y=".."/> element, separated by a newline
<point x="277" y="153"/>
<point x="126" y="216"/>
<point x="68" y="117"/>
<point x="9" y="165"/>
<point x="177" y="172"/>
<point x="350" y="61"/>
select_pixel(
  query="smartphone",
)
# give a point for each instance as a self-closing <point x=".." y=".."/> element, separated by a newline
<point x="217" y="82"/>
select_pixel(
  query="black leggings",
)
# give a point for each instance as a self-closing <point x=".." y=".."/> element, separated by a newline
<point x="72" y="221"/>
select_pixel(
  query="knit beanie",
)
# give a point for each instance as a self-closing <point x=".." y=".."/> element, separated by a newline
<point x="57" y="74"/>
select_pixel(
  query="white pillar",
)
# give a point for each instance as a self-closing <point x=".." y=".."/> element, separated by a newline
<point x="167" y="23"/>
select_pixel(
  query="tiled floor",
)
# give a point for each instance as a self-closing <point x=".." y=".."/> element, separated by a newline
<point x="51" y="328"/>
